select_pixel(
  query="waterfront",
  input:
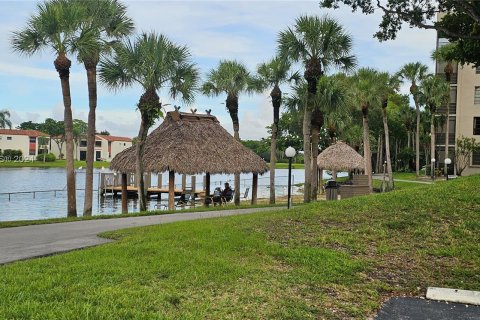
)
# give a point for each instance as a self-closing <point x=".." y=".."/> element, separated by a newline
<point x="43" y="205"/>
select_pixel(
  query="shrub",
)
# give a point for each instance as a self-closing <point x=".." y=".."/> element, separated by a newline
<point x="49" y="157"/>
<point x="12" y="154"/>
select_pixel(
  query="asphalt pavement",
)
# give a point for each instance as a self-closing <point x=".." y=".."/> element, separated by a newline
<point x="27" y="242"/>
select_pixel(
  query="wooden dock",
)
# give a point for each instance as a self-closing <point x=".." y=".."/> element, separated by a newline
<point x="132" y="191"/>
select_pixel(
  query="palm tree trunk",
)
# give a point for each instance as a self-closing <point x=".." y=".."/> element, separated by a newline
<point x="232" y="106"/>
<point x="140" y="147"/>
<point x="408" y="139"/>
<point x="273" y="161"/>
<point x="387" y="151"/>
<point x="314" y="173"/>
<point x="366" y="147"/>
<point x="417" y="140"/>
<point x="307" y="119"/>
<point x="92" y="103"/>
<point x="432" y="138"/>
<point x="62" y="65"/>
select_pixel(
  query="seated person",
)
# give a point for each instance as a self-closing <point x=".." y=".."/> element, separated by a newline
<point x="227" y="193"/>
<point x="217" y="196"/>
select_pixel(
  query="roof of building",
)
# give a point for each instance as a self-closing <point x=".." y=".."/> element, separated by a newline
<point x="340" y="156"/>
<point x="191" y="144"/>
<point x="114" y="138"/>
<point x="17" y="132"/>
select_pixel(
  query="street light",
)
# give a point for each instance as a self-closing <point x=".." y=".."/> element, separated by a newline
<point x="290" y="153"/>
<point x="432" y="168"/>
<point x="447" y="162"/>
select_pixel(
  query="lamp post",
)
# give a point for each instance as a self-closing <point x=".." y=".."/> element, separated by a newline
<point x="432" y="168"/>
<point x="290" y="153"/>
<point x="447" y="162"/>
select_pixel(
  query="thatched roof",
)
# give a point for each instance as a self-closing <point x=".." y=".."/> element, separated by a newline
<point x="191" y="144"/>
<point x="340" y="157"/>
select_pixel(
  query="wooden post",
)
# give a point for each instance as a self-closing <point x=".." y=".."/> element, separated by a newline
<point x="194" y="183"/>
<point x="159" y="181"/>
<point x="184" y="182"/>
<point x="204" y="183"/>
<point x="171" y="190"/>
<point x="254" y="188"/>
<point x="124" y="193"/>
<point x="207" y="187"/>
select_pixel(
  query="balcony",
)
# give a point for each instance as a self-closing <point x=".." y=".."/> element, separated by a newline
<point x="453" y="77"/>
<point x="440" y="139"/>
<point x="452" y="109"/>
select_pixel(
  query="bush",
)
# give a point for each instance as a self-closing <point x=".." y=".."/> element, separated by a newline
<point x="12" y="154"/>
<point x="49" y="157"/>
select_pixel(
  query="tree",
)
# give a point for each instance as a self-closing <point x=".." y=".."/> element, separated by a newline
<point x="366" y="94"/>
<point x="319" y="43"/>
<point x="104" y="22"/>
<point x="153" y="62"/>
<point x="29" y="125"/>
<point x="463" y="152"/>
<point x="56" y="131"/>
<point x="415" y="72"/>
<point x="459" y="22"/>
<point x="272" y="74"/>
<point x="435" y="92"/>
<point x="230" y="78"/>
<point x="104" y="133"/>
<point x="5" y="119"/>
<point x="53" y="27"/>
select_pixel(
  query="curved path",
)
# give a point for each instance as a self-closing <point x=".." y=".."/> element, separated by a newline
<point x="26" y="242"/>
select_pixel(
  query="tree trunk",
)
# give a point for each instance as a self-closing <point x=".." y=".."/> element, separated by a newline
<point x="307" y="119"/>
<point x="276" y="95"/>
<point x="447" y="134"/>
<point x="140" y="147"/>
<point x="254" y="188"/>
<point x="387" y="151"/>
<point x="124" y="193"/>
<point x="273" y="161"/>
<point x="409" y="144"/>
<point x="432" y="137"/>
<point x="417" y="139"/>
<point x="232" y="106"/>
<point x="62" y="65"/>
<point x="379" y="151"/>
<point x="314" y="172"/>
<point x="90" y="158"/>
<point x="366" y="147"/>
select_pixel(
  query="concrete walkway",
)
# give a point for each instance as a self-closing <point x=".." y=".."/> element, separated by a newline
<point x="20" y="243"/>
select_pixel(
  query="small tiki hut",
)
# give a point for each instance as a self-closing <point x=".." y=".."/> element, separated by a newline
<point x="340" y="157"/>
<point x="190" y="143"/>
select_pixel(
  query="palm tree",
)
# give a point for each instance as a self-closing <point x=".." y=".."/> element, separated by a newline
<point x="435" y="92"/>
<point x="153" y="62"/>
<point x="272" y="74"/>
<point x="367" y="94"/>
<point x="53" y="27"/>
<point x="415" y="72"/>
<point x="319" y="43"/>
<point x="4" y="119"/>
<point x="331" y="98"/>
<point x="105" y="21"/>
<point x="232" y="78"/>
<point x="388" y="86"/>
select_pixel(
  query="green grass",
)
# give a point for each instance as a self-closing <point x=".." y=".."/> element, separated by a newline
<point x="333" y="260"/>
<point x="285" y="165"/>
<point x="55" y="164"/>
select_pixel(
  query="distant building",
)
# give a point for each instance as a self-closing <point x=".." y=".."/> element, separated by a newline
<point x="464" y="111"/>
<point x="106" y="147"/>
<point x="26" y="141"/>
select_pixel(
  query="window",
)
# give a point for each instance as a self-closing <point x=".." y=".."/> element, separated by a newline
<point x="83" y="143"/>
<point x="477" y="70"/>
<point x="9" y="138"/>
<point x="98" y="143"/>
<point x="477" y="95"/>
<point x="33" y="140"/>
<point x="476" y="125"/>
<point x="476" y="158"/>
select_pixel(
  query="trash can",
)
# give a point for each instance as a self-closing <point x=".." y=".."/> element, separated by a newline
<point x="331" y="190"/>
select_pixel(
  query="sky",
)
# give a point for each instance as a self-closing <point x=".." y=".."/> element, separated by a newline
<point x="246" y="31"/>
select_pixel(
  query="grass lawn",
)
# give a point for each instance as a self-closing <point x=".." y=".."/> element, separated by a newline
<point x="55" y="164"/>
<point x="285" y="165"/>
<point x="334" y="260"/>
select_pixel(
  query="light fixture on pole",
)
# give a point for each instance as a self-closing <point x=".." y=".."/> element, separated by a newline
<point x="432" y="168"/>
<point x="290" y="153"/>
<point x="448" y="161"/>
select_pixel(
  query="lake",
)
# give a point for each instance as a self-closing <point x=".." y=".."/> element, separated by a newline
<point x="53" y="204"/>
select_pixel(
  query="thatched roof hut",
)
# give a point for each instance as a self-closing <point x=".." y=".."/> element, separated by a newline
<point x="191" y="144"/>
<point x="340" y="157"/>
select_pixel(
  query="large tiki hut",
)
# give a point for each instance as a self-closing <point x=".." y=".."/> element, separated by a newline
<point x="190" y="143"/>
<point x="340" y="157"/>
